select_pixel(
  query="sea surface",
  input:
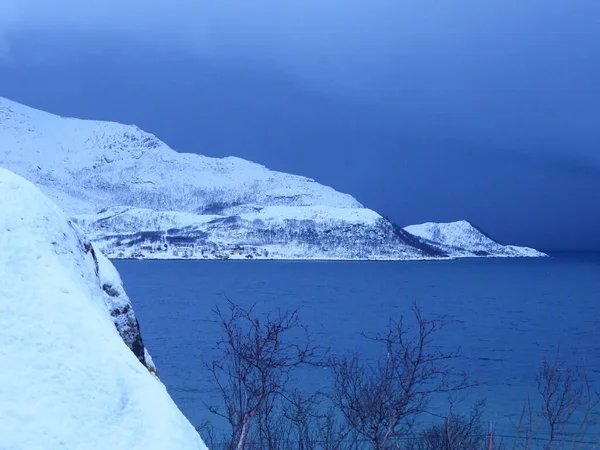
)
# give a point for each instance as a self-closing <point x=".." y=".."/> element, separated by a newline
<point x="508" y="316"/>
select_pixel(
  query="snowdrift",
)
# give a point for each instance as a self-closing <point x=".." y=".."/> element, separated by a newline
<point x="75" y="373"/>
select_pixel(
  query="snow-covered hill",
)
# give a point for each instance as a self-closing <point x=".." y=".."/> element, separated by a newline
<point x="133" y="194"/>
<point x="90" y="165"/>
<point x="68" y="379"/>
<point x="463" y="239"/>
<point x="136" y="197"/>
<point x="310" y="232"/>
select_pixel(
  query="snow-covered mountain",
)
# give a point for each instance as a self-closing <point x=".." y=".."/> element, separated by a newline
<point x="68" y="379"/>
<point x="463" y="239"/>
<point x="136" y="197"/>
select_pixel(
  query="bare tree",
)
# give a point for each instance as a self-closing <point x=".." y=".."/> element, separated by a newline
<point x="333" y="434"/>
<point x="381" y="400"/>
<point x="457" y="432"/>
<point x="565" y="400"/>
<point x="211" y="437"/>
<point x="525" y="427"/>
<point x="561" y="395"/>
<point x="258" y="355"/>
<point x="303" y="417"/>
<point x="590" y="405"/>
<point x="271" y="429"/>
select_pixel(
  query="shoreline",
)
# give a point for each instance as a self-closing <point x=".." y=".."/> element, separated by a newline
<point x="450" y="258"/>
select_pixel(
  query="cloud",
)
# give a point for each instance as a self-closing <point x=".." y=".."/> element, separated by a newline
<point x="352" y="43"/>
<point x="577" y="164"/>
<point x="4" y="49"/>
<point x="493" y="74"/>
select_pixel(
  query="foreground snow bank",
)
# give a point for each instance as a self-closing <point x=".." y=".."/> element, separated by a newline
<point x="68" y="380"/>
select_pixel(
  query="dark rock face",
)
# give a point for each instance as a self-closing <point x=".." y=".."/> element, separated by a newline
<point x="125" y="321"/>
<point x="112" y="292"/>
<point x="120" y="309"/>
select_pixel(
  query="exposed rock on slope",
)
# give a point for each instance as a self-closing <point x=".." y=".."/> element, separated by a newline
<point x="463" y="239"/>
<point x="120" y="309"/>
<point x="67" y="379"/>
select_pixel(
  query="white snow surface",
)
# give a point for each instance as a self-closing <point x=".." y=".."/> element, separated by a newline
<point x="68" y="380"/>
<point x="88" y="165"/>
<point x="277" y="232"/>
<point x="462" y="239"/>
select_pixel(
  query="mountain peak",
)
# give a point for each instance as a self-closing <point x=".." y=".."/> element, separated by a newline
<point x="106" y="164"/>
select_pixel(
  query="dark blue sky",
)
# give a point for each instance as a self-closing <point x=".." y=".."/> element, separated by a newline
<point x="423" y="110"/>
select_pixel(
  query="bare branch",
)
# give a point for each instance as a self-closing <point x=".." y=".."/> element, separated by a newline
<point x="381" y="400"/>
<point x="259" y="354"/>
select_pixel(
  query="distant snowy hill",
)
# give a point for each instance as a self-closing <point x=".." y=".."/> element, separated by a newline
<point x="463" y="239"/>
<point x="136" y="197"/>
<point x="68" y="379"/>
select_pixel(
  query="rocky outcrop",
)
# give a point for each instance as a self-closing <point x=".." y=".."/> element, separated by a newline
<point x="122" y="312"/>
<point x="118" y="303"/>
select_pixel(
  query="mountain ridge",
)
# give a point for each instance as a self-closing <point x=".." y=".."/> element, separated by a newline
<point x="162" y="203"/>
<point x="85" y="145"/>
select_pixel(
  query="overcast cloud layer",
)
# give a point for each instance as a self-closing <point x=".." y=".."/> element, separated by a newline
<point x="424" y="110"/>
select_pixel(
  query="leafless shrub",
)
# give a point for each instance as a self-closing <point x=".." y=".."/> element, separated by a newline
<point x="372" y="404"/>
<point x="211" y="437"/>
<point x="258" y="354"/>
<point x="457" y="432"/>
<point x="303" y="416"/>
<point x="334" y="434"/>
<point x="566" y="405"/>
<point x="525" y="426"/>
<point x="561" y="395"/>
<point x="381" y="400"/>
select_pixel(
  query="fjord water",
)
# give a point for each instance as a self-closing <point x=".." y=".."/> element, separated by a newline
<point x="509" y="315"/>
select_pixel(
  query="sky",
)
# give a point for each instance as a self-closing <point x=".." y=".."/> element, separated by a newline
<point x="424" y="110"/>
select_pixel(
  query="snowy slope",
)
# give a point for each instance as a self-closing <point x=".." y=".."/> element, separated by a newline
<point x="68" y="380"/>
<point x="90" y="167"/>
<point x="462" y="239"/>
